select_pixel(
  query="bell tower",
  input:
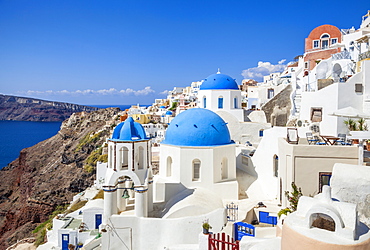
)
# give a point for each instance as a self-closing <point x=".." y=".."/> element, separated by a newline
<point x="129" y="169"/>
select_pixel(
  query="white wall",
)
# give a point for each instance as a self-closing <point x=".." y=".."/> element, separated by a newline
<point x="159" y="233"/>
<point x="210" y="170"/>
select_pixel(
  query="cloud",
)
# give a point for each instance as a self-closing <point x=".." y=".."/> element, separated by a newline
<point x="165" y="92"/>
<point x="263" y="69"/>
<point x="89" y="92"/>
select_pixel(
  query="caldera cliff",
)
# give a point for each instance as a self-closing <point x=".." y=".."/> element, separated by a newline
<point x="50" y="173"/>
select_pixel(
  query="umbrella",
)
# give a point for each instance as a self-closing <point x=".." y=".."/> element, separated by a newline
<point x="350" y="112"/>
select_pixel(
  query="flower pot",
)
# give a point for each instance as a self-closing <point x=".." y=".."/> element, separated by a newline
<point x="205" y="231"/>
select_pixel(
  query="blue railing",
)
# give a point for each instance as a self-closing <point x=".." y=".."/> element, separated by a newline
<point x="242" y="229"/>
<point x="266" y="218"/>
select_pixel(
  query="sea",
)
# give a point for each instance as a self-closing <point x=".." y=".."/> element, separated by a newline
<point x="16" y="135"/>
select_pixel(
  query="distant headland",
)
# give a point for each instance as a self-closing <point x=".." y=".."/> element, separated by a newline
<point x="16" y="108"/>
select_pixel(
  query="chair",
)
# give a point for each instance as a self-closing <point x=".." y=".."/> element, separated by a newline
<point x="342" y="140"/>
<point x="311" y="139"/>
<point x="320" y="142"/>
<point x="292" y="135"/>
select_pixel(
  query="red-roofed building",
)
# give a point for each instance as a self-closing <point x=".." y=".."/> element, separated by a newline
<point x="318" y="45"/>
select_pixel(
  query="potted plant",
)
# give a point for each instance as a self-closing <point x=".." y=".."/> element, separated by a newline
<point x="206" y="226"/>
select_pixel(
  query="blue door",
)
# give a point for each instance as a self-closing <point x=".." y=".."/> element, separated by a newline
<point x="65" y="241"/>
<point x="98" y="219"/>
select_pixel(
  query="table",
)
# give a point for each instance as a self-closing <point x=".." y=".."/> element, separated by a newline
<point x="330" y="140"/>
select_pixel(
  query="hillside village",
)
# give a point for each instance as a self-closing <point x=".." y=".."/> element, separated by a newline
<point x="261" y="165"/>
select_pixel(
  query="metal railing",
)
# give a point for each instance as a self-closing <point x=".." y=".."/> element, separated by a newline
<point x="341" y="55"/>
<point x="364" y="55"/>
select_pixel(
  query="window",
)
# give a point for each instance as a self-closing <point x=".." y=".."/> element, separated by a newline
<point x="169" y="166"/>
<point x="123" y="153"/>
<point x="235" y="103"/>
<point x="324" y="179"/>
<point x="324" y="44"/>
<point x="358" y="88"/>
<point x="334" y="40"/>
<point x="220" y="102"/>
<point x="141" y="158"/>
<point x="316" y="44"/>
<point x="276" y="165"/>
<point x="204" y="102"/>
<point x="224" y="169"/>
<point x="196" y="170"/>
<point x="110" y="157"/>
<point x="261" y="133"/>
<point x="316" y="114"/>
<point x="324" y="36"/>
<point x="270" y="93"/>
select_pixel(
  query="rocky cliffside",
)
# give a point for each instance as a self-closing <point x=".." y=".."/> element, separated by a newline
<point x="28" y="109"/>
<point x="50" y="173"/>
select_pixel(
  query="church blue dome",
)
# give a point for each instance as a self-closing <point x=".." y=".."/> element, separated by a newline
<point x="219" y="81"/>
<point x="197" y="127"/>
<point x="129" y="130"/>
<point x="168" y="113"/>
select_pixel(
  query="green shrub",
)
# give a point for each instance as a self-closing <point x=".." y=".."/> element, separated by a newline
<point x="40" y="230"/>
<point x="88" y="139"/>
<point x="293" y="198"/>
<point x="40" y="238"/>
<point x="103" y="158"/>
<point x="93" y="158"/>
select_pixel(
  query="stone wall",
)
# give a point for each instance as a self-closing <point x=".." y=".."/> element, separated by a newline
<point x="277" y="110"/>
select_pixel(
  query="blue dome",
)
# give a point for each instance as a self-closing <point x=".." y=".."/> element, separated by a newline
<point x="219" y="81"/>
<point x="168" y="113"/>
<point x="197" y="127"/>
<point x="129" y="130"/>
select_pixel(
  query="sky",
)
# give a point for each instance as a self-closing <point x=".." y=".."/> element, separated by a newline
<point x="118" y="52"/>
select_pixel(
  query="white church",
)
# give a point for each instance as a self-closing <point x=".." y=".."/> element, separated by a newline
<point x="197" y="172"/>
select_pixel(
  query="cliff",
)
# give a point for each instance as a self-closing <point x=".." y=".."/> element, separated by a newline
<point x="28" y="109"/>
<point x="50" y="173"/>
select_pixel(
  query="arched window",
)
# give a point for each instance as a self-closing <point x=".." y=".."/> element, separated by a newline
<point x="123" y="158"/>
<point x="235" y="102"/>
<point x="276" y="165"/>
<point x="220" y="102"/>
<point x="204" y="102"/>
<point x="224" y="169"/>
<point x="141" y="158"/>
<point x="169" y="166"/>
<point x="196" y="170"/>
<point x="324" y="41"/>
<point x="324" y="36"/>
<point x="110" y="157"/>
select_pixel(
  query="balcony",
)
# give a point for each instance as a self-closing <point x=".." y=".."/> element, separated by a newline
<point x="341" y="55"/>
<point x="364" y="55"/>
